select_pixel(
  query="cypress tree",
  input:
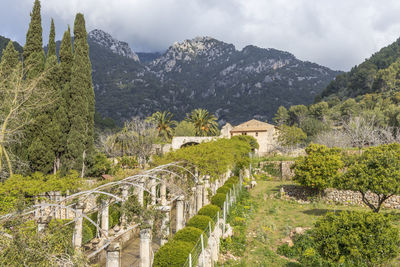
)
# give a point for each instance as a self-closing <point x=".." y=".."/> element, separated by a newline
<point x="9" y="60"/>
<point x="52" y="41"/>
<point x="33" y="50"/>
<point x="80" y="102"/>
<point x="47" y="135"/>
<point x="66" y="58"/>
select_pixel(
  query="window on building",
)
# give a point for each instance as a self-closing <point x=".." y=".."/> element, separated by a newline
<point x="244" y="133"/>
<point x="256" y="134"/>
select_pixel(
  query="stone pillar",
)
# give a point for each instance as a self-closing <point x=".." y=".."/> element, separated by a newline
<point x="199" y="197"/>
<point x="113" y="255"/>
<point x="153" y="191"/>
<point x="57" y="198"/>
<point x="141" y="192"/>
<point x="125" y="192"/>
<point x="192" y="203"/>
<point x="179" y="213"/>
<point x="145" y="235"/>
<point x="104" y="218"/>
<point x="77" y="235"/>
<point x="42" y="223"/>
<point x="165" y="224"/>
<point x="163" y="193"/>
<point x="205" y="190"/>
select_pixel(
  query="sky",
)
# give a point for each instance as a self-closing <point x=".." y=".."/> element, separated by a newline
<point x="335" y="33"/>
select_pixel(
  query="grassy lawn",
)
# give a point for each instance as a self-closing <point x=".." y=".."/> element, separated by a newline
<point x="274" y="218"/>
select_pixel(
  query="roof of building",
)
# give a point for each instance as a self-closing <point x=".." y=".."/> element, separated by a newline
<point x="252" y="126"/>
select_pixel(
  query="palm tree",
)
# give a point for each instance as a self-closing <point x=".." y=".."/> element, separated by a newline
<point x="164" y="123"/>
<point x="204" y="122"/>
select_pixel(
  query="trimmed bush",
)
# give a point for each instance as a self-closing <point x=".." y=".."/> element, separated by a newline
<point x="209" y="210"/>
<point x="218" y="200"/>
<point x="200" y="222"/>
<point x="233" y="180"/>
<point x="228" y="184"/>
<point x="223" y="190"/>
<point x="173" y="253"/>
<point x="189" y="234"/>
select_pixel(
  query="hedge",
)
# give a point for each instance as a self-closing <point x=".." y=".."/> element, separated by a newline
<point x="218" y="200"/>
<point x="189" y="234"/>
<point x="210" y="211"/>
<point x="200" y="222"/>
<point x="223" y="189"/>
<point x="173" y="253"/>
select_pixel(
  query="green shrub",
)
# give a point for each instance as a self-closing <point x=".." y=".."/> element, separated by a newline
<point x="100" y="166"/>
<point x="348" y="239"/>
<point x="114" y="215"/>
<point x="189" y="234"/>
<point x="285" y="250"/>
<point x="218" y="200"/>
<point x="233" y="180"/>
<point x="173" y="253"/>
<point x="200" y="222"/>
<point x="89" y="230"/>
<point x="210" y="211"/>
<point x="223" y="190"/>
<point x="228" y="184"/>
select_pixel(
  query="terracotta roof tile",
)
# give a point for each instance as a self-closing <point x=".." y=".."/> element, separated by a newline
<point x="252" y="126"/>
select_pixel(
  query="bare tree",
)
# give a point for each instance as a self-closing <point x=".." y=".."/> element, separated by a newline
<point x="20" y="100"/>
<point x="136" y="138"/>
<point x="333" y="138"/>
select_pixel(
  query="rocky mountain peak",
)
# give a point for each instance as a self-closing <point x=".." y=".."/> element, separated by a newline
<point x="117" y="47"/>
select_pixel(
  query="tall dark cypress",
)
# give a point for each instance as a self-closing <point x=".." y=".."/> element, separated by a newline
<point x="52" y="41"/>
<point x="9" y="60"/>
<point x="33" y="50"/>
<point x="47" y="135"/>
<point x="80" y="102"/>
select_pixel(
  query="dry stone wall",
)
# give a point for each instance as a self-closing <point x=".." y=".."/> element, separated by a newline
<point x="345" y="197"/>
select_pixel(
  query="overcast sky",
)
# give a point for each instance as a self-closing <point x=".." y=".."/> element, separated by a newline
<point x="335" y="33"/>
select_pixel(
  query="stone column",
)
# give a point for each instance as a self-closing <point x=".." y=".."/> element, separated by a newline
<point x="165" y="224"/>
<point x="199" y="197"/>
<point x="205" y="190"/>
<point x="77" y="235"/>
<point x="42" y="223"/>
<point x="104" y="218"/>
<point x="179" y="213"/>
<point x="153" y="191"/>
<point x="140" y="192"/>
<point x="192" y="203"/>
<point x="145" y="235"/>
<point x="113" y="255"/>
<point x="163" y="193"/>
<point x="57" y="199"/>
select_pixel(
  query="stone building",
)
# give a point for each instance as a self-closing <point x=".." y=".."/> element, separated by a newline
<point x="265" y="134"/>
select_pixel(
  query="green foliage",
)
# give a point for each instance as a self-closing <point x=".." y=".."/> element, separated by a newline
<point x="377" y="170"/>
<point x="190" y="235"/>
<point x="173" y="253"/>
<point x="218" y="200"/>
<point x="211" y="158"/>
<point x="114" y="215"/>
<point x="281" y="116"/>
<point x="18" y="186"/>
<point x="290" y="136"/>
<point x="358" y="238"/>
<point x="201" y="222"/>
<point x="34" y="43"/>
<point x="204" y="122"/>
<point x="223" y="189"/>
<point x="101" y="165"/>
<point x="185" y="128"/>
<point x="319" y="168"/>
<point x="210" y="211"/>
<point x="249" y="139"/>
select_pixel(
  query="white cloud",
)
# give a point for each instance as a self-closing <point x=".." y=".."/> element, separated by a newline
<point x="338" y="34"/>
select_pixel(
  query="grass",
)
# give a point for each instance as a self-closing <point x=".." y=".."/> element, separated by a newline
<point x="273" y="220"/>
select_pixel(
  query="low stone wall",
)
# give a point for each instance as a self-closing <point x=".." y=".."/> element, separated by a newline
<point x="282" y="166"/>
<point x="345" y="197"/>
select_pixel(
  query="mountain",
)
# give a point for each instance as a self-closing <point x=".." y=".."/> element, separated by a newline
<point x="366" y="77"/>
<point x="236" y="85"/>
<point x="4" y="42"/>
<point x="107" y="41"/>
<point x="207" y="73"/>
